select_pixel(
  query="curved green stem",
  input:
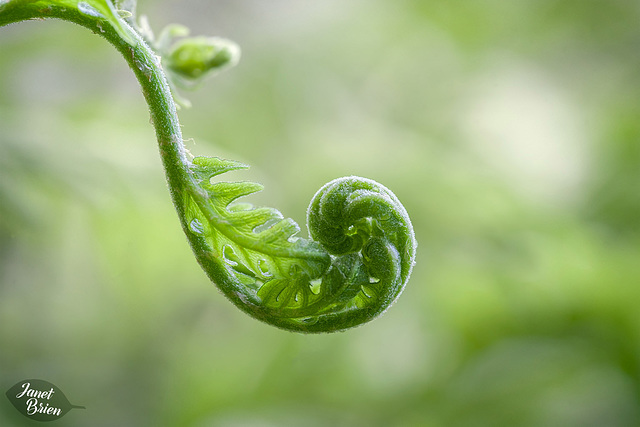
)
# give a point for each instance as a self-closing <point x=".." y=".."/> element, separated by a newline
<point x="365" y="246"/>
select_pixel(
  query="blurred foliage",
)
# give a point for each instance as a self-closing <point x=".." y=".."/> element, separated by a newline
<point x="509" y="130"/>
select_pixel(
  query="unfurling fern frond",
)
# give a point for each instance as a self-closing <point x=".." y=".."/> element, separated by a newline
<point x="363" y="246"/>
<point x="356" y="267"/>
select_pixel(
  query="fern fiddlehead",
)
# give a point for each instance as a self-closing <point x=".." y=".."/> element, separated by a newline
<point x="363" y="246"/>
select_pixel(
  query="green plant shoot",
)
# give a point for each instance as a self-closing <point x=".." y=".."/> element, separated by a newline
<point x="362" y="246"/>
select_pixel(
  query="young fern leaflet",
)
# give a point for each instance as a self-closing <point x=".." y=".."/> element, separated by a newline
<point x="363" y="246"/>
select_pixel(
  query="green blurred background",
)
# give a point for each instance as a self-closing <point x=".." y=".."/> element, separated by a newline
<point x="510" y="130"/>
